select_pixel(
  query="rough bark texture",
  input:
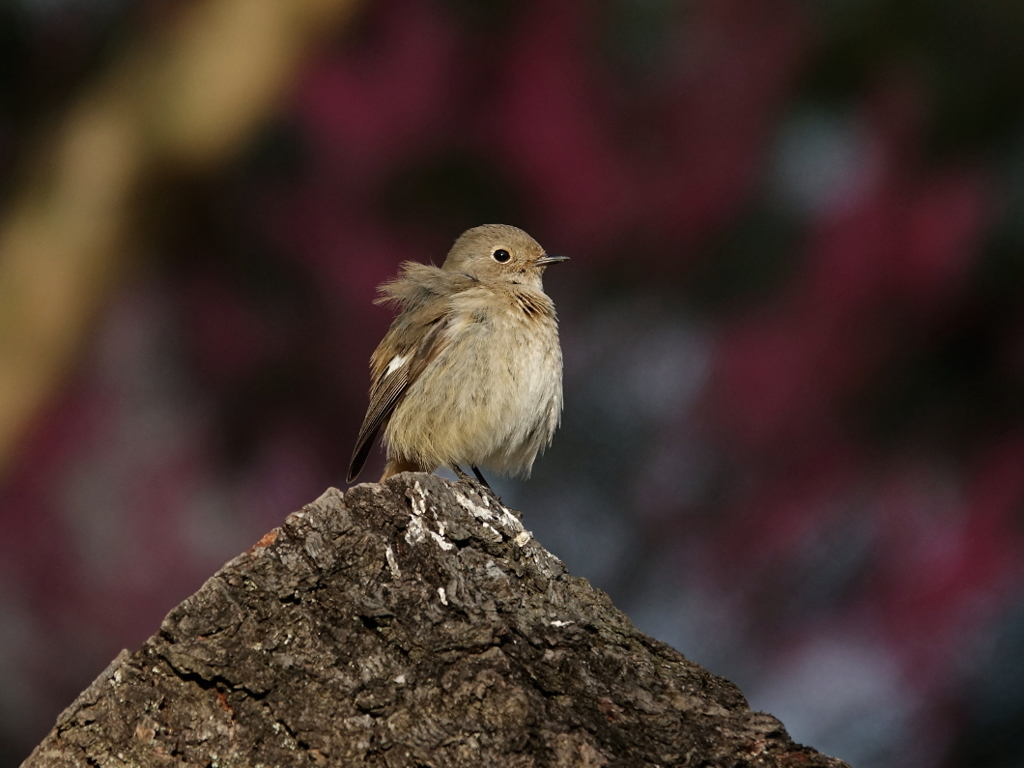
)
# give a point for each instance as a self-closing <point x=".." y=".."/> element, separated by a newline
<point x="413" y="623"/>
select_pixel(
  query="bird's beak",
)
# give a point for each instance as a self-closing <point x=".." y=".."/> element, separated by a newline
<point x="544" y="260"/>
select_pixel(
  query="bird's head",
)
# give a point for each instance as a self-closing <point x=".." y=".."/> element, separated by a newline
<point x="499" y="252"/>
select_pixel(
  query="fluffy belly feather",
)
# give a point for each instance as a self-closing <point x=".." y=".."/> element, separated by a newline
<point x="490" y="399"/>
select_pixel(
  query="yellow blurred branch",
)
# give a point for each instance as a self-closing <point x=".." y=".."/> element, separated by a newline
<point x="184" y="99"/>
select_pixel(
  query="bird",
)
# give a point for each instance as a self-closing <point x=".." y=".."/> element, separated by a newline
<point x="470" y="371"/>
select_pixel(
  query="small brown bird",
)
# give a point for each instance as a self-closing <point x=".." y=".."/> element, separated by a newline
<point x="470" y="372"/>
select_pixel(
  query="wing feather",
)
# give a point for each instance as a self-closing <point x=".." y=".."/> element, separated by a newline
<point x="390" y="386"/>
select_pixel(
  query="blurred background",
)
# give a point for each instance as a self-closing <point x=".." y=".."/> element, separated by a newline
<point x="793" y="442"/>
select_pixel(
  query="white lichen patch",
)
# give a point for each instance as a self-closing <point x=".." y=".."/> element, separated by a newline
<point x="502" y="516"/>
<point x="443" y="595"/>
<point x="389" y="555"/>
<point x="523" y="538"/>
<point x="442" y="542"/>
<point x="419" y="506"/>
<point x="415" y="533"/>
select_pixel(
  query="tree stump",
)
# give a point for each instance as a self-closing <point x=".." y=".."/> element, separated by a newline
<point x="404" y="625"/>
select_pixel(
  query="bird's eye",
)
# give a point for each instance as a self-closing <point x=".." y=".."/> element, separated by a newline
<point x="501" y="255"/>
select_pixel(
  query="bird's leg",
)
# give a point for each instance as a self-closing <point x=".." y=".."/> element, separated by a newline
<point x="481" y="478"/>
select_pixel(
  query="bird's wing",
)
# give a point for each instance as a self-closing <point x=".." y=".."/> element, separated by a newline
<point x="394" y="376"/>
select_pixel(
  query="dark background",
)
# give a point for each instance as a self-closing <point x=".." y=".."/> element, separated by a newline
<point x="793" y="441"/>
